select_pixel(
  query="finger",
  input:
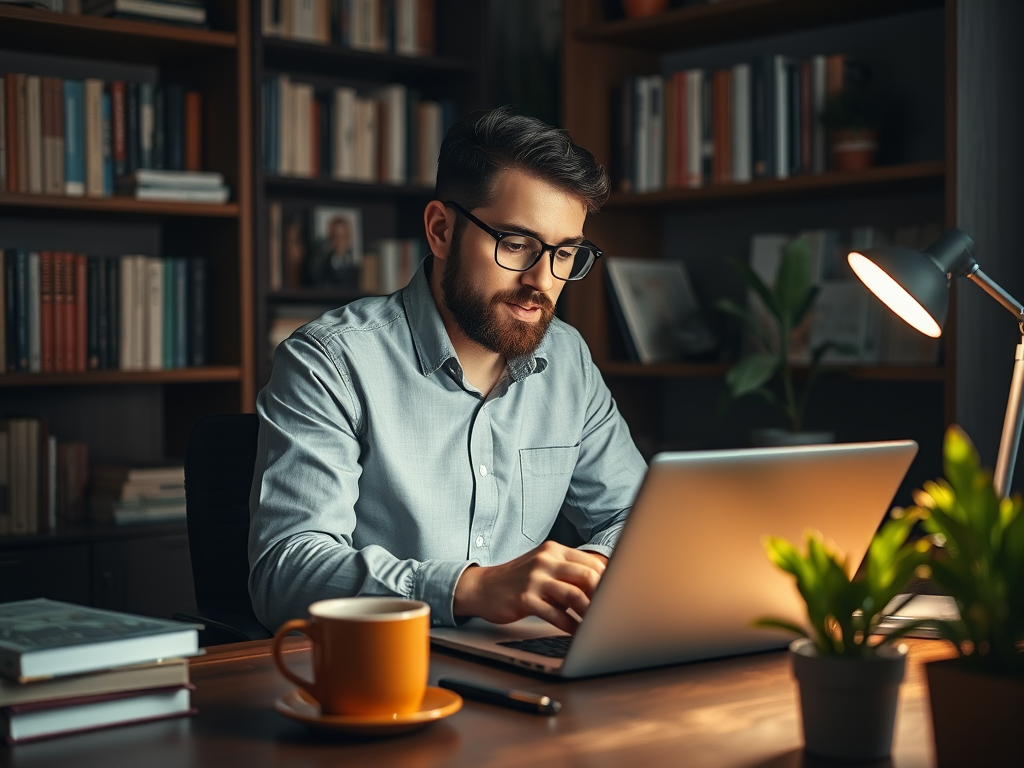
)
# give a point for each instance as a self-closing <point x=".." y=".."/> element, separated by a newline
<point x="577" y="574"/>
<point x="586" y="558"/>
<point x="566" y="596"/>
<point x="553" y="615"/>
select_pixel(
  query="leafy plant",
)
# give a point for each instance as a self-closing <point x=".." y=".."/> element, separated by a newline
<point x="844" y="611"/>
<point x="978" y="559"/>
<point x="854" y="108"/>
<point x="788" y="302"/>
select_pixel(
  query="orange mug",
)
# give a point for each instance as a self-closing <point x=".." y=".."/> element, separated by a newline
<point x="371" y="655"/>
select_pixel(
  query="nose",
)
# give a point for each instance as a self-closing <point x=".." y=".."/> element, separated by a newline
<point x="539" y="276"/>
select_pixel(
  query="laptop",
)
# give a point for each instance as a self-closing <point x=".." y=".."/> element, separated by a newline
<point x="689" y="574"/>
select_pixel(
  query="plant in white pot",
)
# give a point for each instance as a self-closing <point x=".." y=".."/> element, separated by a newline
<point x="977" y="699"/>
<point x="848" y="678"/>
<point x="767" y="373"/>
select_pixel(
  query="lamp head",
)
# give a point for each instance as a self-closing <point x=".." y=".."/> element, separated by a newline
<point x="915" y="284"/>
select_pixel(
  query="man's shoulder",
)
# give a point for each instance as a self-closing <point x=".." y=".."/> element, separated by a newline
<point x="358" y="321"/>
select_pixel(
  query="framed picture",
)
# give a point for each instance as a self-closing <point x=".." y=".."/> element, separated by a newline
<point x="336" y="251"/>
<point x="657" y="310"/>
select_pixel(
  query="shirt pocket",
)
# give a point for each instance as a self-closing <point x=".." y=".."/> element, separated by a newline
<point x="546" y="475"/>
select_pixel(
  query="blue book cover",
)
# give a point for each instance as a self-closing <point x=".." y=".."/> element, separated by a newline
<point x="108" y="153"/>
<point x="170" y="284"/>
<point x="74" y="139"/>
<point x="181" y="313"/>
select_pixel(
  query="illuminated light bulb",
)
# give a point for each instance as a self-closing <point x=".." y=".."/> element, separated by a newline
<point x="893" y="295"/>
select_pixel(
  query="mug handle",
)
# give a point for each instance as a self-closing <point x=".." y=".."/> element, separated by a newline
<point x="305" y="627"/>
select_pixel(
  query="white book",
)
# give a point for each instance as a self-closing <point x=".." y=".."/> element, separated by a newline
<point x="819" y="86"/>
<point x="127" y="323"/>
<point x="656" y="146"/>
<point x="781" y="116"/>
<point x="173" y="179"/>
<point x="93" y="98"/>
<point x="361" y="25"/>
<point x="183" y="195"/>
<point x="406" y="12"/>
<point x="286" y="141"/>
<point x="344" y="138"/>
<point x="303" y="20"/>
<point x="694" y="127"/>
<point x="34" y="349"/>
<point x="742" y="125"/>
<point x="150" y="8"/>
<point x="140" y="317"/>
<point x="367" y="141"/>
<point x="34" y="133"/>
<point x="155" y="313"/>
<point x="302" y="94"/>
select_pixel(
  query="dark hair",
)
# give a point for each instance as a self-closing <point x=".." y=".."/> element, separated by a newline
<point x="482" y="144"/>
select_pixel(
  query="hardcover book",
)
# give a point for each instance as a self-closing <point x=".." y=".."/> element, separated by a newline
<point x="44" y="638"/>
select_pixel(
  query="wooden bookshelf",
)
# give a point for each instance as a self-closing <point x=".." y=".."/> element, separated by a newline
<point x="673" y="405"/>
<point x="197" y="375"/>
<point x="388" y="210"/>
<point x="117" y="206"/>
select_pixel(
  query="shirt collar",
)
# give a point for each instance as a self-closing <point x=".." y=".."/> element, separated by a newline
<point x="433" y="347"/>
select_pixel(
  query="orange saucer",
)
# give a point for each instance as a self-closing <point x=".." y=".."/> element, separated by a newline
<point x="438" y="703"/>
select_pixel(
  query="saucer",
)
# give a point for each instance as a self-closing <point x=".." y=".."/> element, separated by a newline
<point x="438" y="703"/>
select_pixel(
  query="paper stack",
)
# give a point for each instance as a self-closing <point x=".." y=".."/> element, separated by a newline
<point x="66" y="668"/>
<point x="175" y="186"/>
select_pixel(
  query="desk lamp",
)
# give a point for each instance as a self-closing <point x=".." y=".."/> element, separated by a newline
<point x="915" y="285"/>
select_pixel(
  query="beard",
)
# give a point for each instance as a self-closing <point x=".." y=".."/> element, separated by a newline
<point x="483" y="320"/>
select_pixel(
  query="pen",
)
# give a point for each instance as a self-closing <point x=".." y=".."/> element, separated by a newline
<point x="526" y="701"/>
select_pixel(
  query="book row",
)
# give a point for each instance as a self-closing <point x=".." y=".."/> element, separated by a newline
<point x="43" y="480"/>
<point x="191" y="13"/>
<point x="62" y="136"/>
<point x="388" y="134"/>
<point x="755" y="120"/>
<point x="404" y="27"/>
<point x="68" y="312"/>
<point x="67" y="668"/>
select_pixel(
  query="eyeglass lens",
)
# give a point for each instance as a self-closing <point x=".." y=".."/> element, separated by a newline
<point x="520" y="252"/>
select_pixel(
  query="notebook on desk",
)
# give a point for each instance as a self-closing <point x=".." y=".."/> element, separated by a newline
<point x="689" y="573"/>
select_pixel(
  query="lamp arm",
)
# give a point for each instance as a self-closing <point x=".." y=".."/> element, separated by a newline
<point x="1009" y="442"/>
<point x="993" y="289"/>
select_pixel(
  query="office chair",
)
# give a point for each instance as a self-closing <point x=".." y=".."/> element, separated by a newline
<point x="219" y="461"/>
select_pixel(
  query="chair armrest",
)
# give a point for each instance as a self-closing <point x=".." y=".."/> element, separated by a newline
<point x="225" y="627"/>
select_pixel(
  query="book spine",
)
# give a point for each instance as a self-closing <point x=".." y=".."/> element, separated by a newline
<point x="131" y="126"/>
<point x="108" y="145"/>
<point x="46" y="310"/>
<point x="70" y="307"/>
<point x="112" y="278"/>
<point x="53" y="150"/>
<point x="22" y="131"/>
<point x="102" y="314"/>
<point x="168" y="324"/>
<point x="159" y="129"/>
<point x="181" y="309"/>
<point x="10" y="361"/>
<point x="74" y="139"/>
<point x="58" y="311"/>
<point x="60" y="170"/>
<point x="21" y="302"/>
<point x="139" y="313"/>
<point x="11" y="130"/>
<point x="793" y="105"/>
<point x="34" y="133"/>
<point x="819" y="76"/>
<point x="741" y="124"/>
<point x="126" y="323"/>
<point x="3" y="134"/>
<point x="806" y="117"/>
<point x="174" y="127"/>
<point x="197" y="311"/>
<point x="5" y="485"/>
<point x="119" y="127"/>
<point x="193" y="160"/>
<point x="3" y="305"/>
<point x="81" y="319"/>
<point x="147" y="125"/>
<point x="155" y="313"/>
<point x="93" y="282"/>
<point x="34" y="359"/>
<point x="94" y="137"/>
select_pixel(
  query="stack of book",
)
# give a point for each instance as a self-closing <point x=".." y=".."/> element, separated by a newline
<point x="65" y="668"/>
<point x="122" y="494"/>
<point x="191" y="13"/>
<point x="181" y="186"/>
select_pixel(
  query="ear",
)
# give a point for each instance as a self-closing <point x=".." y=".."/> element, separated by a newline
<point x="439" y="222"/>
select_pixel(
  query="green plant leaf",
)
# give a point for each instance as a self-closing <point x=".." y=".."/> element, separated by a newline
<point x="793" y="282"/>
<point x="769" y="623"/>
<point x="812" y="296"/>
<point x="730" y="307"/>
<point x="754" y="281"/>
<point x="751" y="373"/>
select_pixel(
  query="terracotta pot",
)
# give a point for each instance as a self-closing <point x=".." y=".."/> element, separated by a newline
<point x="976" y="717"/>
<point x="854" y="150"/>
<point x="847" y="706"/>
<point x="638" y="9"/>
<point x="767" y="438"/>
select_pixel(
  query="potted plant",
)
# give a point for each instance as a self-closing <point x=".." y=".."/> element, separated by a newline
<point x="977" y="699"/>
<point x="768" y="372"/>
<point x="848" y="680"/>
<point x="851" y="116"/>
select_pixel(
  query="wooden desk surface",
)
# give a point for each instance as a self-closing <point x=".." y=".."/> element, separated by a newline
<point x="733" y="712"/>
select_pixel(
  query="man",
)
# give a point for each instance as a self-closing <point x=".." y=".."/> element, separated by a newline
<point x="422" y="444"/>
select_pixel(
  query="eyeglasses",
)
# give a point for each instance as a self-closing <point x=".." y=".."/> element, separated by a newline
<point x="519" y="253"/>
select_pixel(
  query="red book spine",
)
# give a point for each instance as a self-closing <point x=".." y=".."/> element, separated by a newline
<point x="46" y="310"/>
<point x="193" y="131"/>
<point x="57" y="332"/>
<point x="118" y="128"/>
<point x="81" y="319"/>
<point x="68" y="314"/>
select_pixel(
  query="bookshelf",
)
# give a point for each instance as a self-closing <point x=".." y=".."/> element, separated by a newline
<point x="140" y="416"/>
<point x="388" y="210"/>
<point x="674" y="405"/>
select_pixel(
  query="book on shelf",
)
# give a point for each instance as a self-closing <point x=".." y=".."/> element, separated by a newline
<point x="185" y="12"/>
<point x="43" y="638"/>
<point x="165" y="673"/>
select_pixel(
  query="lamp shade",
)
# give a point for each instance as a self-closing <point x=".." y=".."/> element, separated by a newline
<point x="915" y="284"/>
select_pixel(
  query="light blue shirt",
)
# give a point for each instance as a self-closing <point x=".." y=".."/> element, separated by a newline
<point x="382" y="471"/>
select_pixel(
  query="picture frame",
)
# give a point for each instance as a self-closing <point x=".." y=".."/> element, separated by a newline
<point x="657" y="309"/>
<point x="336" y="247"/>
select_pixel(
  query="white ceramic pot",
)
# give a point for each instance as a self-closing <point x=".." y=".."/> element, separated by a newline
<point x="848" y="706"/>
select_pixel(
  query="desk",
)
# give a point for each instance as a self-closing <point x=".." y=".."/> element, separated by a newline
<point x="733" y="712"/>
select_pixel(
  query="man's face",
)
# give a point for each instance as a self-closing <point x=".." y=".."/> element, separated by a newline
<point x="503" y="311"/>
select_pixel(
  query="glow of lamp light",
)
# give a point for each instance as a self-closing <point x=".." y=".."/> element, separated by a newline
<point x="893" y="295"/>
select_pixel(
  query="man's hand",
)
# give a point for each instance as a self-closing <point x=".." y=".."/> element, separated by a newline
<point x="545" y="582"/>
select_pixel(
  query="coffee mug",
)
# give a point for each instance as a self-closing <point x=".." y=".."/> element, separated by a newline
<point x="371" y="655"/>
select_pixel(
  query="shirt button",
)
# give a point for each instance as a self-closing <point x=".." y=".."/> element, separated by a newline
<point x="479" y="541"/>
<point x="483" y="471"/>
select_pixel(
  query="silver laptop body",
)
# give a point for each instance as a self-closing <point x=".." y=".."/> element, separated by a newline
<point x="689" y="573"/>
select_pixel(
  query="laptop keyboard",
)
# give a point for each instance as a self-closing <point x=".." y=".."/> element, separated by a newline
<point x="555" y="646"/>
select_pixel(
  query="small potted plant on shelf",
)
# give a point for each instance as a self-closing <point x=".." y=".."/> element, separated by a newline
<point x="977" y="699"/>
<point x="848" y="679"/>
<point x="852" y="117"/>
<point x="768" y="372"/>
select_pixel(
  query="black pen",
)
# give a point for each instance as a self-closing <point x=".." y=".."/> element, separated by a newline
<point x="535" y="703"/>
